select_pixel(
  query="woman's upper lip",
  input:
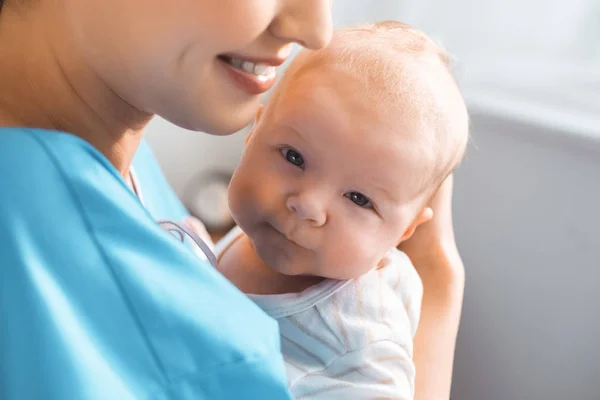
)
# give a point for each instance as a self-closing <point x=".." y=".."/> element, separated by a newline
<point x="272" y="61"/>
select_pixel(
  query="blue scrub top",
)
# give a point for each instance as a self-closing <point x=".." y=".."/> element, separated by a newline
<point x="98" y="302"/>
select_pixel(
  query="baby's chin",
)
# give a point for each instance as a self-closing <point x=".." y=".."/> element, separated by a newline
<point x="304" y="267"/>
<point x="283" y="260"/>
<point x="344" y="270"/>
<point x="279" y="261"/>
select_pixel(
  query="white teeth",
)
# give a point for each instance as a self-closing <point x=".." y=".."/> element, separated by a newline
<point x="236" y="63"/>
<point x="248" y="66"/>
<point x="259" y="69"/>
<point x="262" y="69"/>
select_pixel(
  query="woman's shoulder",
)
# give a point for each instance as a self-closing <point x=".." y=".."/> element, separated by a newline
<point x="38" y="162"/>
<point x="28" y="153"/>
<point x="88" y="266"/>
<point x="59" y="194"/>
<point x="55" y="188"/>
<point x="52" y="172"/>
<point x="31" y="139"/>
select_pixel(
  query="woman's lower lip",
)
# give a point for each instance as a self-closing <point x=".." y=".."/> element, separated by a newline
<point x="246" y="81"/>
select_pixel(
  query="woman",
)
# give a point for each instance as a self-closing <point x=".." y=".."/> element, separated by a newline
<point x="96" y="300"/>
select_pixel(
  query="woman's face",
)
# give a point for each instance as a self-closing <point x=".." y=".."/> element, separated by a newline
<point x="182" y="59"/>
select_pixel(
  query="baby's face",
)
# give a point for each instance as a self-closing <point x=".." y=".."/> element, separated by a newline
<point x="325" y="187"/>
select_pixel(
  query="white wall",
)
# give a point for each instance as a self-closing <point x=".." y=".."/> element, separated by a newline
<point x="528" y="225"/>
<point x="526" y="198"/>
<point x="183" y="154"/>
<point x="495" y="34"/>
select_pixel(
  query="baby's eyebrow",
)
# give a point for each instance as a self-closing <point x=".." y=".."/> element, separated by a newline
<point x="296" y="132"/>
<point x="382" y="190"/>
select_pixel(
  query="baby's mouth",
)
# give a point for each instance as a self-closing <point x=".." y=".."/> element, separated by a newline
<point x="286" y="236"/>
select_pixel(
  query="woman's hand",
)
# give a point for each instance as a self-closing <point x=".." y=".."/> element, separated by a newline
<point x="435" y="256"/>
<point x="434" y="241"/>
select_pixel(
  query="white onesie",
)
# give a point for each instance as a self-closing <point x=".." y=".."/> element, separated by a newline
<point x="349" y="339"/>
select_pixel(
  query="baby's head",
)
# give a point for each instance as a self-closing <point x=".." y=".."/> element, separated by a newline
<point x="342" y="162"/>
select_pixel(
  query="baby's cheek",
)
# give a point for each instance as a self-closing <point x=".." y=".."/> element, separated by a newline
<point x="354" y="253"/>
<point x="365" y="252"/>
<point x="254" y="194"/>
<point x="241" y="199"/>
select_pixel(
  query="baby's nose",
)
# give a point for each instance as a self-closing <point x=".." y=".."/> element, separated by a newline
<point x="307" y="209"/>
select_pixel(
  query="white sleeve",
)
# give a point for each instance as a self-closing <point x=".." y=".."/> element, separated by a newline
<point x="382" y="369"/>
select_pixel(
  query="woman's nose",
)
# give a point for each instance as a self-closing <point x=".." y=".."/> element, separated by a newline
<point x="307" y="209"/>
<point x="307" y="22"/>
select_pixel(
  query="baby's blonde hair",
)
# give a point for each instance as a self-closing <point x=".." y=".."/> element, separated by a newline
<point x="400" y="70"/>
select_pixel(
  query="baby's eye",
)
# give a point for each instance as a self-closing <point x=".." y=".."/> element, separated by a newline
<point x="293" y="157"/>
<point x="359" y="199"/>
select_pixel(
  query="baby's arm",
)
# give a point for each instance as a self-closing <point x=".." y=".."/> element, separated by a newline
<point x="381" y="370"/>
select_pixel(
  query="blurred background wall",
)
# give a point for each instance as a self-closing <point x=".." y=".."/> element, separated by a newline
<point x="527" y="199"/>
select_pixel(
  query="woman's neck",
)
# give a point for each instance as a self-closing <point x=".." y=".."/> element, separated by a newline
<point x="241" y="265"/>
<point x="46" y="84"/>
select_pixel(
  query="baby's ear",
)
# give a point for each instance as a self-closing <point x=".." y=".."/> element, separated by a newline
<point x="256" y="119"/>
<point x="425" y="215"/>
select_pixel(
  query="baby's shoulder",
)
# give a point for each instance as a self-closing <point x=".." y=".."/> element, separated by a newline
<point x="400" y="276"/>
<point x="383" y="304"/>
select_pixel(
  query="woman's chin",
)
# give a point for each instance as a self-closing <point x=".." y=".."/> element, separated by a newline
<point x="215" y="127"/>
<point x="215" y="122"/>
<point x="226" y="128"/>
<point x="228" y="120"/>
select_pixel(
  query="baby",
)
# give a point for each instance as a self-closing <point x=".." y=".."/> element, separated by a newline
<point x="338" y="170"/>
